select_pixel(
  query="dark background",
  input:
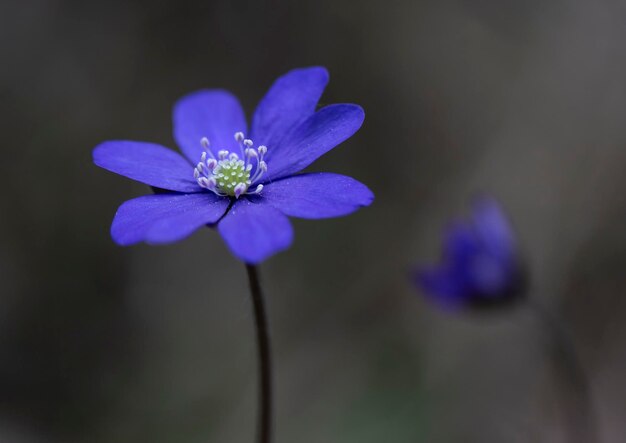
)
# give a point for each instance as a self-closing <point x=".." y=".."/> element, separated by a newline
<point x="522" y="99"/>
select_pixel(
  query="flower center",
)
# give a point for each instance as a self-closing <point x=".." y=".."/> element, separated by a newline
<point x="230" y="174"/>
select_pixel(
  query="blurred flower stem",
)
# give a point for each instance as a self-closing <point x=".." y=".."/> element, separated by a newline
<point x="578" y="407"/>
<point x="264" y="365"/>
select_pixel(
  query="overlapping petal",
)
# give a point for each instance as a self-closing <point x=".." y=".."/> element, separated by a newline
<point x="212" y="113"/>
<point x="148" y="163"/>
<point x="165" y="218"/>
<point x="312" y="138"/>
<point x="494" y="229"/>
<point x="443" y="285"/>
<point x="318" y="195"/>
<point x="480" y="264"/>
<point x="254" y="231"/>
<point x="461" y="242"/>
<point x="469" y="259"/>
<point x="291" y="99"/>
<point x="487" y="275"/>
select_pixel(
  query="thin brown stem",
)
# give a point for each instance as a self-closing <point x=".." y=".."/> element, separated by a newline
<point x="264" y="365"/>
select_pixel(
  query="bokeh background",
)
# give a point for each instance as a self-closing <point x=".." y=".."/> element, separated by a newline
<point x="525" y="100"/>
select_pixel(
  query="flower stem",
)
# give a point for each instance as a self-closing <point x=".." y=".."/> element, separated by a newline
<point x="581" y="423"/>
<point x="264" y="365"/>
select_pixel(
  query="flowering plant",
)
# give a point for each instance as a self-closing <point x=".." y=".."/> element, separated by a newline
<point x="247" y="190"/>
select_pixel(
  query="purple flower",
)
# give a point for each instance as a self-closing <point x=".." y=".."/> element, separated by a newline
<point x="245" y="185"/>
<point x="480" y="265"/>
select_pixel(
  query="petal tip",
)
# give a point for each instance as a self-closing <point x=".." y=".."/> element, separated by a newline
<point x="369" y="196"/>
<point x="360" y="113"/>
<point x="350" y="111"/>
<point x="204" y="93"/>
<point x="316" y="72"/>
<point x="99" y="151"/>
<point x="106" y="151"/>
<point x="120" y="238"/>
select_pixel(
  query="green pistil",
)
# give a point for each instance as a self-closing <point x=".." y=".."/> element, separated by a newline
<point x="229" y="173"/>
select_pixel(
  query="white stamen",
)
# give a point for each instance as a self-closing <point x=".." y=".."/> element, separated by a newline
<point x="240" y="189"/>
<point x="230" y="173"/>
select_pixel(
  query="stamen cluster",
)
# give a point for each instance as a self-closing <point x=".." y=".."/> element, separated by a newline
<point x="229" y="174"/>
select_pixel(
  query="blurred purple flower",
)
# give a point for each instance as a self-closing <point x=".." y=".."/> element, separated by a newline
<point x="480" y="264"/>
<point x="247" y="188"/>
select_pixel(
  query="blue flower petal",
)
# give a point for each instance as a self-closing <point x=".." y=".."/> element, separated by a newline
<point x="494" y="229"/>
<point x="461" y="243"/>
<point x="315" y="136"/>
<point x="255" y="231"/>
<point x="318" y="195"/>
<point x="291" y="99"/>
<point x="443" y="285"/>
<point x="215" y="114"/>
<point x="147" y="163"/>
<point x="487" y="275"/>
<point x="471" y="262"/>
<point x="165" y="218"/>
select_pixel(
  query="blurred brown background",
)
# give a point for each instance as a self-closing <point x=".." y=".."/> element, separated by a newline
<point x="522" y="99"/>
